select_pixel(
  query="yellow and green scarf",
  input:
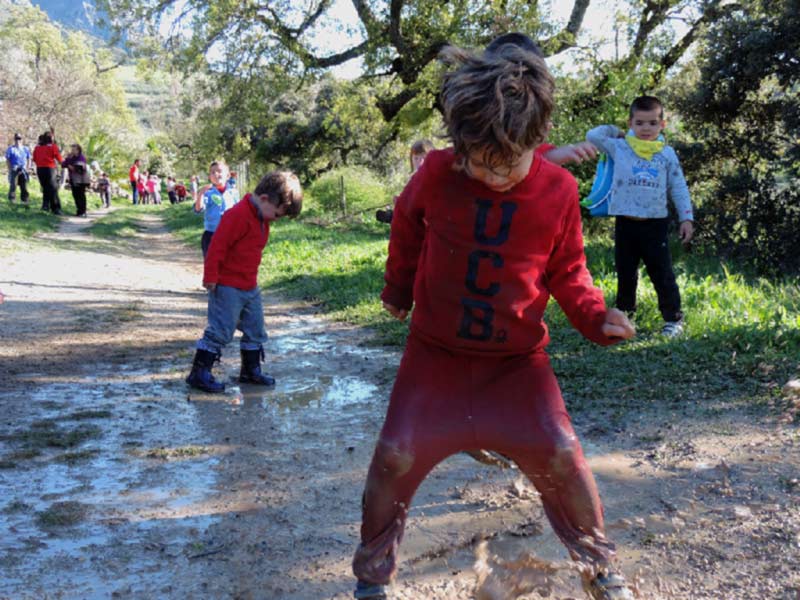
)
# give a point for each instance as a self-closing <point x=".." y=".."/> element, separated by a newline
<point x="645" y="149"/>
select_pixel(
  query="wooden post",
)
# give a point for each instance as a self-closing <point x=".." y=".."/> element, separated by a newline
<point x="342" y="195"/>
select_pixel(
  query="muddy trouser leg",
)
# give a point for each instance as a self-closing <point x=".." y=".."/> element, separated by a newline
<point x="519" y="411"/>
<point x="658" y="262"/>
<point x="626" y="260"/>
<point x="426" y="421"/>
<point x="224" y="307"/>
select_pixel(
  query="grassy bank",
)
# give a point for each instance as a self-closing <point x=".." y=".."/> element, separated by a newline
<point x="742" y="335"/>
<point x="18" y="222"/>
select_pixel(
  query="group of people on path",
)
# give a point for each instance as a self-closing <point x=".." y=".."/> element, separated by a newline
<point x="49" y="164"/>
<point x="146" y="187"/>
<point x="482" y="236"/>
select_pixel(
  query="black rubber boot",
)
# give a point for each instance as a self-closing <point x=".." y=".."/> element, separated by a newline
<point x="251" y="368"/>
<point x="369" y="591"/>
<point x="201" y="377"/>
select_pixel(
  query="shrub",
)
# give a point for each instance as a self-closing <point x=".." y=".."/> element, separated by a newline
<point x="363" y="191"/>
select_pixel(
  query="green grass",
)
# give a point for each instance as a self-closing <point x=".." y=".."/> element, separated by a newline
<point x="122" y="223"/>
<point x="19" y="222"/>
<point x="742" y="332"/>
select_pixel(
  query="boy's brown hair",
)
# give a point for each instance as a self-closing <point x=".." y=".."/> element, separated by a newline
<point x="647" y="103"/>
<point x="496" y="103"/>
<point x="283" y="189"/>
<point x="417" y="148"/>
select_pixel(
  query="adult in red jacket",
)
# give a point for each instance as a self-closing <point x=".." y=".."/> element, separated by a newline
<point x="133" y="177"/>
<point x="230" y="276"/>
<point x="48" y="159"/>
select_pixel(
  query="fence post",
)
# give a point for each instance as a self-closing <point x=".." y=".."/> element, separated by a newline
<point x="342" y="195"/>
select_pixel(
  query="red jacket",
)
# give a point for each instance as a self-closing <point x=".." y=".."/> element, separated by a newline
<point x="47" y="156"/>
<point x="480" y="266"/>
<point x="235" y="251"/>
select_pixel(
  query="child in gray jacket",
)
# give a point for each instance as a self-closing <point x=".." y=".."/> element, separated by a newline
<point x="646" y="173"/>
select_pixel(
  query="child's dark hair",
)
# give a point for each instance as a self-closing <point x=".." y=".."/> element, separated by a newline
<point x="283" y="189"/>
<point x="497" y="103"/>
<point x="515" y="39"/>
<point x="417" y="148"/>
<point x="647" y="103"/>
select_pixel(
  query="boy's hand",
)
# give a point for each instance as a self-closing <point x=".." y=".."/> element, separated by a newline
<point x="397" y="313"/>
<point x="686" y="231"/>
<point x="211" y="287"/>
<point x="618" y="325"/>
<point x="572" y="153"/>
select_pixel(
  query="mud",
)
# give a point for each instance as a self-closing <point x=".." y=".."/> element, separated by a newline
<point x="119" y="482"/>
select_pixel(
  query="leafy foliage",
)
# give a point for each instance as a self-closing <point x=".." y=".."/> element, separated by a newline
<point x="744" y="113"/>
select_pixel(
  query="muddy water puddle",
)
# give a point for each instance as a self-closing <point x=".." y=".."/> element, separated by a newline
<point x="107" y="476"/>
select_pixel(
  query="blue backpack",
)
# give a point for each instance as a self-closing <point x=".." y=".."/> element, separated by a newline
<point x="597" y="200"/>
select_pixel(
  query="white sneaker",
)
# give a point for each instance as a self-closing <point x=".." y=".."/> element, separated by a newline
<point x="672" y="329"/>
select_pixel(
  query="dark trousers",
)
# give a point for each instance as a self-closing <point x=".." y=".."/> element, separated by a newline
<point x="135" y="192"/>
<point x="47" y="179"/>
<point x="205" y="241"/>
<point x="645" y="241"/>
<point x="79" y="195"/>
<point x="18" y="178"/>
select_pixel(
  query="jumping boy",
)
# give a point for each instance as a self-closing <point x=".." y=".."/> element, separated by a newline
<point x="646" y="173"/>
<point x="482" y="235"/>
<point x="229" y="275"/>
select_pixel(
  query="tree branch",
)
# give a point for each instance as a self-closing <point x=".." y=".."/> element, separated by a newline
<point x="565" y="38"/>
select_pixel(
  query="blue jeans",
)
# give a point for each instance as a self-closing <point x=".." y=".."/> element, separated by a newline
<point x="135" y="192"/>
<point x="230" y="309"/>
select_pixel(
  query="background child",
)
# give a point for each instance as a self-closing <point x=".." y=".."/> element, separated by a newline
<point x="229" y="275"/>
<point x="501" y="232"/>
<point x="646" y="173"/>
<point x="213" y="200"/>
<point x="180" y="191"/>
<point x="416" y="156"/>
<point x="173" y="197"/>
<point x="104" y="189"/>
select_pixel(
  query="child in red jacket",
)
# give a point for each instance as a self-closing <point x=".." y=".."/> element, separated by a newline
<point x="229" y="275"/>
<point x="482" y="235"/>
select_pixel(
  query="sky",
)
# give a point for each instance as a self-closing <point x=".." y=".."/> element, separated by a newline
<point x="597" y="24"/>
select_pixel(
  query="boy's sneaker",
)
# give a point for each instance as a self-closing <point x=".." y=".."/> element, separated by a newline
<point x="609" y="586"/>
<point x="369" y="591"/>
<point x="672" y="329"/>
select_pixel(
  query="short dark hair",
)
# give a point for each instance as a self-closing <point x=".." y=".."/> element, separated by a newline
<point x="647" y="103"/>
<point x="497" y="103"/>
<point x="17" y="136"/>
<point x="283" y="189"/>
<point x="515" y="39"/>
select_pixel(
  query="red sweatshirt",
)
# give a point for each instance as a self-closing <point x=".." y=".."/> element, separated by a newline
<point x="480" y="266"/>
<point x="47" y="156"/>
<point x="235" y="251"/>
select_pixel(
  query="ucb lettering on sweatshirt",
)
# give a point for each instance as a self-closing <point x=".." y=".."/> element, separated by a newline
<point x="480" y="266"/>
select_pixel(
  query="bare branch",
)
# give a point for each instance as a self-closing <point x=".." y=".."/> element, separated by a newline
<point x="565" y="38"/>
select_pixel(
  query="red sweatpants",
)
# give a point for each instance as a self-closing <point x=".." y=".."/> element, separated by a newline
<point x="443" y="403"/>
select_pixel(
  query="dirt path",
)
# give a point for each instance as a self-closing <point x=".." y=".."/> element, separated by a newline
<point x="118" y="482"/>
